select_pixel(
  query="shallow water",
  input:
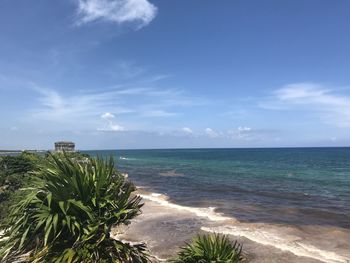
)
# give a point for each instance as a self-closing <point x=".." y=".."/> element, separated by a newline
<point x="297" y="200"/>
<point x="308" y="186"/>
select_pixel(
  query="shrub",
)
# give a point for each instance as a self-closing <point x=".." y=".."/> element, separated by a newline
<point x="17" y="164"/>
<point x="15" y="174"/>
<point x="210" y="248"/>
<point x="69" y="213"/>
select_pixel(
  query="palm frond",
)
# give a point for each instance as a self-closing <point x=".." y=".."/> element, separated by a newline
<point x="69" y="214"/>
<point x="210" y="248"/>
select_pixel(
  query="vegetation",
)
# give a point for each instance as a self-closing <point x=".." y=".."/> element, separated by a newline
<point x="15" y="174"/>
<point x="68" y="214"/>
<point x="75" y="156"/>
<point x="210" y="248"/>
<point x="64" y="206"/>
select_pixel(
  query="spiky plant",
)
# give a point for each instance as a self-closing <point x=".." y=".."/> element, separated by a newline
<point x="69" y="214"/>
<point x="209" y="249"/>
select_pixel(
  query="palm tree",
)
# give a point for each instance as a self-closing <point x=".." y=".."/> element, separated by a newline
<point x="210" y="248"/>
<point x="68" y="215"/>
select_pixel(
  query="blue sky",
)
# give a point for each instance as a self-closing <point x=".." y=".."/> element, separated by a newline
<point x="113" y="74"/>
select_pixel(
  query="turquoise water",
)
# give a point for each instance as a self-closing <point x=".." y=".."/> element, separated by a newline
<point x="301" y="186"/>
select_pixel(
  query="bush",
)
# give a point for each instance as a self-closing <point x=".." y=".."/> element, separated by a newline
<point x="69" y="213"/>
<point x="15" y="174"/>
<point x="210" y="248"/>
<point x="17" y="164"/>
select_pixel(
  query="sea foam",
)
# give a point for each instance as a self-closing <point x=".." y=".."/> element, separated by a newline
<point x="259" y="235"/>
<point x="208" y="213"/>
<point x="286" y="243"/>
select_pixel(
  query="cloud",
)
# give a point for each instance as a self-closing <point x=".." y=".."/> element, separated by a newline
<point x="125" y="69"/>
<point x="187" y="130"/>
<point x="300" y="91"/>
<point x="91" y="110"/>
<point x="110" y="126"/>
<point x="138" y="12"/>
<point x="159" y="77"/>
<point x="211" y="133"/>
<point x="244" y="129"/>
<point x="157" y="113"/>
<point x="325" y="103"/>
<point x="56" y="107"/>
<point x="242" y="133"/>
<point x="107" y="116"/>
<point x="144" y="102"/>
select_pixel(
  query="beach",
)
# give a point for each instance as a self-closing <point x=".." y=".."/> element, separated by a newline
<point x="283" y="205"/>
<point x="226" y="119"/>
<point x="165" y="227"/>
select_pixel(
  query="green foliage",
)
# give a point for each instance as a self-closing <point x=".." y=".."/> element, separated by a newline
<point x="17" y="164"/>
<point x="209" y="249"/>
<point x="76" y="156"/>
<point x="69" y="213"/>
<point x="15" y="174"/>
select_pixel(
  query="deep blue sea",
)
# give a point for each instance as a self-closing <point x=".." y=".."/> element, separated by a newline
<point x="298" y="186"/>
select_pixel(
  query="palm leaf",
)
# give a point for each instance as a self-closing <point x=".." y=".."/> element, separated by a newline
<point x="69" y="213"/>
<point x="210" y="248"/>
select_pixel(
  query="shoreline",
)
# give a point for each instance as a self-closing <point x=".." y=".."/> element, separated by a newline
<point x="165" y="226"/>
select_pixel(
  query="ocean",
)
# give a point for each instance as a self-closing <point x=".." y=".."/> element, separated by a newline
<point x="305" y="189"/>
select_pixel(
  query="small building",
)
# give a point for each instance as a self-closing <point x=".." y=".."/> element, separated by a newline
<point x="64" y="146"/>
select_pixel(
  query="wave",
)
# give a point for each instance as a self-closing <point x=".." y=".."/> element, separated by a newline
<point x="286" y="243"/>
<point x="126" y="158"/>
<point x="171" y="173"/>
<point x="200" y="212"/>
<point x="260" y="233"/>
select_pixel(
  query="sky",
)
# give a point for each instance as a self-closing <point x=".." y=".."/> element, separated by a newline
<point x="131" y="74"/>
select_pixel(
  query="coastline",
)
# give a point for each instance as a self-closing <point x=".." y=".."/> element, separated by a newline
<point x="166" y="226"/>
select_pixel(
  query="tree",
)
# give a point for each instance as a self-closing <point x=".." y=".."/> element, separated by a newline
<point x="68" y="215"/>
<point x="210" y="248"/>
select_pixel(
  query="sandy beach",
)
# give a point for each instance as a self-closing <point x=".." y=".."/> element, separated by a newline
<point x="165" y="227"/>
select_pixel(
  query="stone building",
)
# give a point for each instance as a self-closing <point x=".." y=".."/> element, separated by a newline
<point x="64" y="146"/>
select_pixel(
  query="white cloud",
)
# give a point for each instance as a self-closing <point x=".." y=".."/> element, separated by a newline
<point x="211" y="133"/>
<point x="140" y="12"/>
<point x="69" y="109"/>
<point x="187" y="130"/>
<point x="300" y="91"/>
<point x="107" y="116"/>
<point x="90" y="110"/>
<point x="111" y="126"/>
<point x="157" y="113"/>
<point x="159" y="77"/>
<point x="125" y="69"/>
<point x="329" y="106"/>
<point x="244" y="129"/>
<point x="242" y="132"/>
<point x="142" y="102"/>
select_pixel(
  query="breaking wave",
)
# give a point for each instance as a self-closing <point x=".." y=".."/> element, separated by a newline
<point x="260" y="233"/>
